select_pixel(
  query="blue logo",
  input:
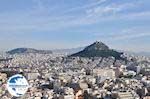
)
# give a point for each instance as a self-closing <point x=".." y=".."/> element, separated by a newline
<point x="17" y="85"/>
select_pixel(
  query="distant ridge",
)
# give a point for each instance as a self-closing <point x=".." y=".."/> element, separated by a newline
<point x="28" y="50"/>
<point x="68" y="51"/>
<point x="98" y="49"/>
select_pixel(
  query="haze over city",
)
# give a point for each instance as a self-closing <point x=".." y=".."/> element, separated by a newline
<point x="42" y="24"/>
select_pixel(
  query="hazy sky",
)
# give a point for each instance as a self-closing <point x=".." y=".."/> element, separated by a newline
<point x="50" y="24"/>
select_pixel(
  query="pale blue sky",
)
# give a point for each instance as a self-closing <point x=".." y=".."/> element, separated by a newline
<point x="51" y="24"/>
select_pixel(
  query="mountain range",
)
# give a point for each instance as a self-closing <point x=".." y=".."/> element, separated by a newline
<point x="75" y="50"/>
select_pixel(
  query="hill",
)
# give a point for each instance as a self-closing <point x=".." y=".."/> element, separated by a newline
<point x="28" y="50"/>
<point x="98" y="49"/>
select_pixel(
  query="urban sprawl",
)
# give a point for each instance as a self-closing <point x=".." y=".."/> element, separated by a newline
<point x="56" y="76"/>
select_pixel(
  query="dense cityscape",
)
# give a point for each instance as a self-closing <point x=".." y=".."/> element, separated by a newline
<point x="60" y="76"/>
<point x="74" y="49"/>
